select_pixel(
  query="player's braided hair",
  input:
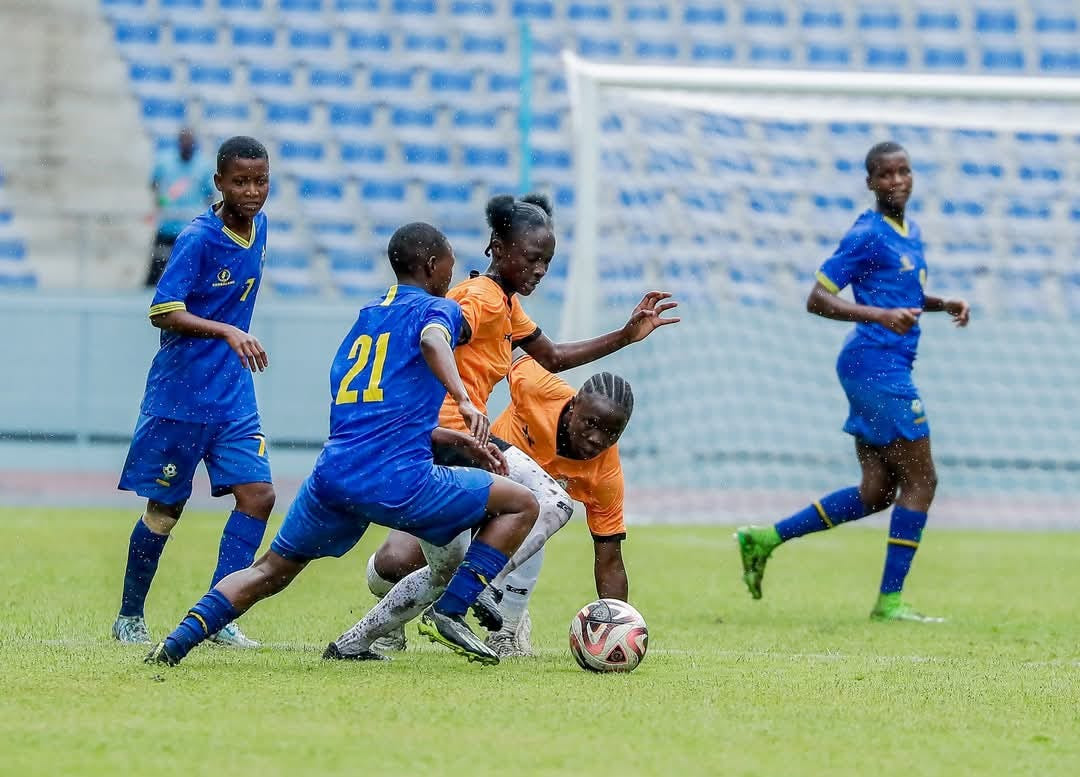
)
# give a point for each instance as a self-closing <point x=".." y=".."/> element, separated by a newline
<point x="507" y="216"/>
<point x="613" y="387"/>
<point x="880" y="150"/>
<point x="239" y="147"/>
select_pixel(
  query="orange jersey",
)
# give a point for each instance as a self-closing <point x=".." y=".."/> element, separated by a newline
<point x="531" y="423"/>
<point x="497" y="322"/>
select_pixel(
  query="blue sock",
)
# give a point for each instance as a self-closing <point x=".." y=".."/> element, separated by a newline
<point x="482" y="562"/>
<point x="905" y="532"/>
<point x="207" y="617"/>
<point x="837" y="507"/>
<point x="144" y="552"/>
<point x="239" y="542"/>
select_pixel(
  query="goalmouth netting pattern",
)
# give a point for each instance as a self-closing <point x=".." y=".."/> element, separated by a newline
<point x="730" y="193"/>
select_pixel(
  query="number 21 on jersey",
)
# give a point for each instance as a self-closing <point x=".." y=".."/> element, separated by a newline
<point x="361" y="351"/>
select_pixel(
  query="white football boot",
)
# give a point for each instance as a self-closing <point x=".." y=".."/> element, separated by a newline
<point x="231" y="636"/>
<point x="131" y="630"/>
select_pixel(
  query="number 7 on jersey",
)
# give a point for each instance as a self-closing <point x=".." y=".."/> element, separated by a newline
<point x="361" y="351"/>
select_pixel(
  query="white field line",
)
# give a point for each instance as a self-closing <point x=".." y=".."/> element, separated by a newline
<point x="420" y="647"/>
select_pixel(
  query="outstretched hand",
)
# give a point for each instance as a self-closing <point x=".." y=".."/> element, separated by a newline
<point x="647" y="316"/>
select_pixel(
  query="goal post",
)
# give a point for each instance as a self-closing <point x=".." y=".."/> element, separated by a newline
<point x="730" y="187"/>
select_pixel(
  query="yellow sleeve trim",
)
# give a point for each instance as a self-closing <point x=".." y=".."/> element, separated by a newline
<point x="823" y="515"/>
<point x="905" y="543"/>
<point x="166" y="307"/>
<point x="827" y="282"/>
<point x="442" y="330"/>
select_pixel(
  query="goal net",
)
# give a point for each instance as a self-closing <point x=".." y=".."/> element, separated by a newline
<point x="729" y="188"/>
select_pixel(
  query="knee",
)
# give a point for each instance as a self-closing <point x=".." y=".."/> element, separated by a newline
<point x="397" y="557"/>
<point x="556" y="507"/>
<point x="161" y="518"/>
<point x="256" y="500"/>
<point x="877" y="496"/>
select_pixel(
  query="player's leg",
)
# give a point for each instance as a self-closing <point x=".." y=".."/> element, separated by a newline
<point x="399" y="555"/>
<point x="515" y="636"/>
<point x="404" y="601"/>
<point x="512" y="510"/>
<point x="913" y="464"/>
<point x="312" y="529"/>
<point x="237" y="461"/>
<point x="160" y="465"/>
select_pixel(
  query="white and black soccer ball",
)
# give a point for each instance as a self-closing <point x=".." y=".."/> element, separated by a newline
<point x="608" y="636"/>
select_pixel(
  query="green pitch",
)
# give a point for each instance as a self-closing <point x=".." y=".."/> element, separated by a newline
<point x="800" y="683"/>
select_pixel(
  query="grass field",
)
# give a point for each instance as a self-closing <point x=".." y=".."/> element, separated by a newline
<point x="800" y="683"/>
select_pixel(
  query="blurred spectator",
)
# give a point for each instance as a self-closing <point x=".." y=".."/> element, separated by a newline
<point x="183" y="184"/>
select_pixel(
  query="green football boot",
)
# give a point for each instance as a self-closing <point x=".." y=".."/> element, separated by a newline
<point x="891" y="608"/>
<point x="756" y="543"/>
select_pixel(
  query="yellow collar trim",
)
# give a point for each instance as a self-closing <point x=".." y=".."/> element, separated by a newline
<point x="390" y="294"/>
<point x="901" y="229"/>
<point x="243" y="242"/>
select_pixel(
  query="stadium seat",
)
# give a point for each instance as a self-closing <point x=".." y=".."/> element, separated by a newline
<point x="368" y="47"/>
<point x="332" y="83"/>
<point x="175" y="11"/>
<point x="289" y="270"/>
<point x="301" y="156"/>
<point x="256" y="44"/>
<point x="164" y="116"/>
<point x="351" y="120"/>
<point x="424" y="47"/>
<point x="271" y="83"/>
<point x="242" y="11"/>
<point x="417" y="123"/>
<point x="426" y="160"/>
<point x="300" y="11"/>
<point x="406" y="8"/>
<point x="126" y="10"/>
<point x="451" y="203"/>
<point x="293" y="119"/>
<point x="384" y="200"/>
<point x="196" y="42"/>
<point x="152" y="79"/>
<point x="360" y="158"/>
<point x="481" y="162"/>
<point x="997" y="59"/>
<point x="313" y="45"/>
<point x="138" y="40"/>
<point x="478" y="125"/>
<point x="398" y="85"/>
<point x="358" y="13"/>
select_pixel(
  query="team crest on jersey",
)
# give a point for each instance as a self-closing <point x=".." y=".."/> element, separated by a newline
<point x="528" y="437"/>
<point x="906" y="265"/>
<point x="168" y="471"/>
<point x="224" y="277"/>
<point x="916" y="406"/>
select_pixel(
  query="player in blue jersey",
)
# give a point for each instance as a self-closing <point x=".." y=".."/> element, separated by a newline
<point x="199" y="403"/>
<point x="387" y="383"/>
<point x="881" y="258"/>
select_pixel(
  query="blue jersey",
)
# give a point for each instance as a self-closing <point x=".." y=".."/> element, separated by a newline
<point x="885" y="267"/>
<point x="213" y="273"/>
<point x="384" y="399"/>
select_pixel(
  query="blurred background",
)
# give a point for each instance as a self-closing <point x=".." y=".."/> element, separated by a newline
<point x="378" y="112"/>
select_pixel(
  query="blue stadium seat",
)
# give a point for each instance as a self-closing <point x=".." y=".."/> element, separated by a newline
<point x="481" y="10"/>
<point x="482" y="161"/>
<point x="421" y="8"/>
<point x="1002" y="59"/>
<point x="1055" y="18"/>
<point x="489" y="49"/>
<point x="289" y="270"/>
<point x="384" y="200"/>
<point x="12" y="249"/>
<point x="944" y="57"/>
<point x="554" y="165"/>
<point x="1059" y="61"/>
<point x="303" y="156"/>
<point x="599" y="46"/>
<point x="533" y="9"/>
<point x="477" y="125"/>
<point x="195" y="41"/>
<point x="368" y="47"/>
<point x="451" y="203"/>
<point x="362" y="157"/>
<point x="652" y="49"/>
<point x="293" y="11"/>
<point x="450" y="84"/>
<point x="351" y="120"/>
<point x="418" y="123"/>
<point x="705" y="14"/>
<point x="996" y="20"/>
<point x="270" y="82"/>
<point x="357" y="12"/>
<point x="209" y="79"/>
<point x="163" y="116"/>
<point x="126" y="10"/>
<point x="424" y="47"/>
<point x="311" y="44"/>
<point x="394" y="84"/>
<point x="424" y="160"/>
<point x="152" y="79"/>
<point x="255" y="43"/>
<point x="886" y="57"/>
<point x="330" y="189"/>
<point x="332" y="82"/>
<point x="292" y="117"/>
<point x="138" y="39"/>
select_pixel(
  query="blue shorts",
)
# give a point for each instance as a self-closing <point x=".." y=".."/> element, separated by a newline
<point x="449" y="501"/>
<point x="884" y="404"/>
<point x="164" y="453"/>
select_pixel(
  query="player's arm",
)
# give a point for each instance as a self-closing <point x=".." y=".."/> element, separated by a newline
<point x="609" y="570"/>
<point x="246" y="345"/>
<point x="435" y="342"/>
<point x="825" y="302"/>
<point x="957" y="308"/>
<point x="169" y="311"/>
<point x="487" y="457"/>
<point x="646" y="317"/>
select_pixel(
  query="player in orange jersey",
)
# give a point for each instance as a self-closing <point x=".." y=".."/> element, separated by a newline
<point x="521" y="248"/>
<point x="572" y="437"/>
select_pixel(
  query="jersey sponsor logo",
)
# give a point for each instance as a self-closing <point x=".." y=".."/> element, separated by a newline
<point x="518" y="591"/>
<point x="224" y="277"/>
<point x="906" y="265"/>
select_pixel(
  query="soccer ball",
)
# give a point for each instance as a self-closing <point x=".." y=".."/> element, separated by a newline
<point x="608" y="636"/>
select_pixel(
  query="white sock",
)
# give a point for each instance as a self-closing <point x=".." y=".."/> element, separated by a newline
<point x="556" y="507"/>
<point x="518" y="588"/>
<point x="409" y="597"/>
<point x="376" y="583"/>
